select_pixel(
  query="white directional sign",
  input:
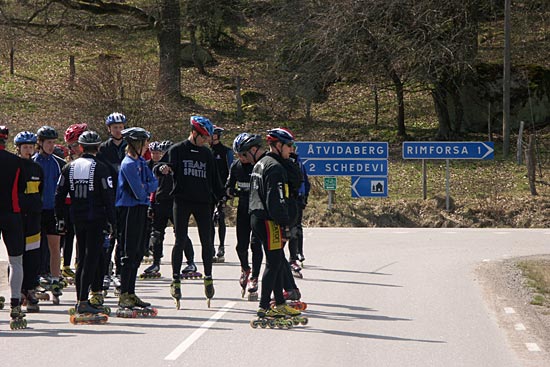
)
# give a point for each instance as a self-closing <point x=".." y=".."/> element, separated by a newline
<point x="448" y="150"/>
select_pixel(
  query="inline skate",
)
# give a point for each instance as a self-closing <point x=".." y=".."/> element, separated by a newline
<point x="243" y="281"/>
<point x="97" y="300"/>
<point x="220" y="256"/>
<point x="253" y="289"/>
<point x="131" y="306"/>
<point x="271" y="318"/>
<point x="31" y="301"/>
<point x="152" y="272"/>
<point x="190" y="272"/>
<point x="17" y="318"/>
<point x="296" y="269"/>
<point x="175" y="292"/>
<point x="208" y="289"/>
<point x="85" y="313"/>
<point x="292" y="313"/>
<point x="68" y="274"/>
<point x="2" y="302"/>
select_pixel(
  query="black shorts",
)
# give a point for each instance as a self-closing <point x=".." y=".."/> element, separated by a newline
<point x="11" y="227"/>
<point x="49" y="226"/>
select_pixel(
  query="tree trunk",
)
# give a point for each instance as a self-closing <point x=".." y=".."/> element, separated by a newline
<point x="198" y="63"/>
<point x="398" y="84"/>
<point x="169" y="38"/>
<point x="459" y="108"/>
<point x="439" y="95"/>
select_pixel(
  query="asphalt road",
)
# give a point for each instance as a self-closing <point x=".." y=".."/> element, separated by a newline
<point x="377" y="297"/>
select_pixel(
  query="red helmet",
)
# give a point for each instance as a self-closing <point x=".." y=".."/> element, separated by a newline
<point x="74" y="131"/>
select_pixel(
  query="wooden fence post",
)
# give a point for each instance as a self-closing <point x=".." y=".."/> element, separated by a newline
<point x="72" y="72"/>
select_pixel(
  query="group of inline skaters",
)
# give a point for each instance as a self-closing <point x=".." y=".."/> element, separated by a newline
<point x="117" y="197"/>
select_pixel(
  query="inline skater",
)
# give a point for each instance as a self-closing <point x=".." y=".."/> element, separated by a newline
<point x="67" y="240"/>
<point x="112" y="152"/>
<point x="196" y="186"/>
<point x="296" y="241"/>
<point x="223" y="157"/>
<point x="11" y="225"/>
<point x="270" y="218"/>
<point x="238" y="185"/>
<point x="135" y="183"/>
<point x="161" y="209"/>
<point x="89" y="184"/>
<point x="50" y="235"/>
<point x="31" y="205"/>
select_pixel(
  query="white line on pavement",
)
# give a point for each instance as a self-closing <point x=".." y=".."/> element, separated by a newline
<point x="519" y="327"/>
<point x="180" y="349"/>
<point x="509" y="310"/>
<point x="532" y="347"/>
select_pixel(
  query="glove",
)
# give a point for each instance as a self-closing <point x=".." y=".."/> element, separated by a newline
<point x="150" y="213"/>
<point x="60" y="226"/>
<point x="111" y="229"/>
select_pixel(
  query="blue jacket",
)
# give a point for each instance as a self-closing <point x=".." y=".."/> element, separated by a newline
<point x="135" y="182"/>
<point x="52" y="166"/>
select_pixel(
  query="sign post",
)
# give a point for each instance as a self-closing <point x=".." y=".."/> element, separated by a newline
<point x="446" y="150"/>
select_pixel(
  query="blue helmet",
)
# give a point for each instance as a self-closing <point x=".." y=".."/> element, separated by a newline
<point x="238" y="141"/>
<point x="280" y="134"/>
<point x="115" y="118"/>
<point x="246" y="142"/>
<point x="25" y="137"/>
<point x="202" y="125"/>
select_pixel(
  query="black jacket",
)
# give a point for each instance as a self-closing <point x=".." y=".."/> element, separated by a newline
<point x="12" y="183"/>
<point x="194" y="173"/>
<point x="90" y="185"/>
<point x="238" y="182"/>
<point x="269" y="190"/>
<point x="31" y="198"/>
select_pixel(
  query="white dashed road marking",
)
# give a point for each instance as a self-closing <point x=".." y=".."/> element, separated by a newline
<point x="509" y="310"/>
<point x="519" y="327"/>
<point x="532" y="347"/>
<point x="180" y="349"/>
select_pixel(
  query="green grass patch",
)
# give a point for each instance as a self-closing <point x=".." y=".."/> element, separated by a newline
<point x="537" y="273"/>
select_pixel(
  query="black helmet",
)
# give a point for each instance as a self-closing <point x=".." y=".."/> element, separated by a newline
<point x="165" y="145"/>
<point x="135" y="134"/>
<point x="89" y="138"/>
<point x="251" y="141"/>
<point x="46" y="132"/>
<point x="218" y="130"/>
<point x="4" y="132"/>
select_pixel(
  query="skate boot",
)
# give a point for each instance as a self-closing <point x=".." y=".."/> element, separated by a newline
<point x="116" y="283"/>
<point x="175" y="292"/>
<point x="68" y="274"/>
<point x="151" y="272"/>
<point x="85" y="313"/>
<point x="32" y="302"/>
<point x="56" y="292"/>
<point x="208" y="289"/>
<point x="106" y="285"/>
<point x="301" y="259"/>
<point x="17" y="318"/>
<point x="190" y="272"/>
<point x="96" y="300"/>
<point x="296" y="269"/>
<point x="126" y="304"/>
<point x="143" y="309"/>
<point x="294" y="314"/>
<point x="243" y="281"/>
<point x="220" y="256"/>
<point x="2" y="302"/>
<point x="293" y="296"/>
<point x="253" y="289"/>
<point x="272" y="318"/>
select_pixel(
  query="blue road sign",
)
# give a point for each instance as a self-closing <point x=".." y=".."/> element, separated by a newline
<point x="448" y="150"/>
<point x="346" y="167"/>
<point x="369" y="186"/>
<point x="342" y="150"/>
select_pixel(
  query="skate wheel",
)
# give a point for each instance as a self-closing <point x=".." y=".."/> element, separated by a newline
<point x="304" y="321"/>
<point x="254" y="324"/>
<point x="72" y="319"/>
<point x="177" y="304"/>
<point x="208" y="302"/>
<point x="55" y="300"/>
<point x="263" y="324"/>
